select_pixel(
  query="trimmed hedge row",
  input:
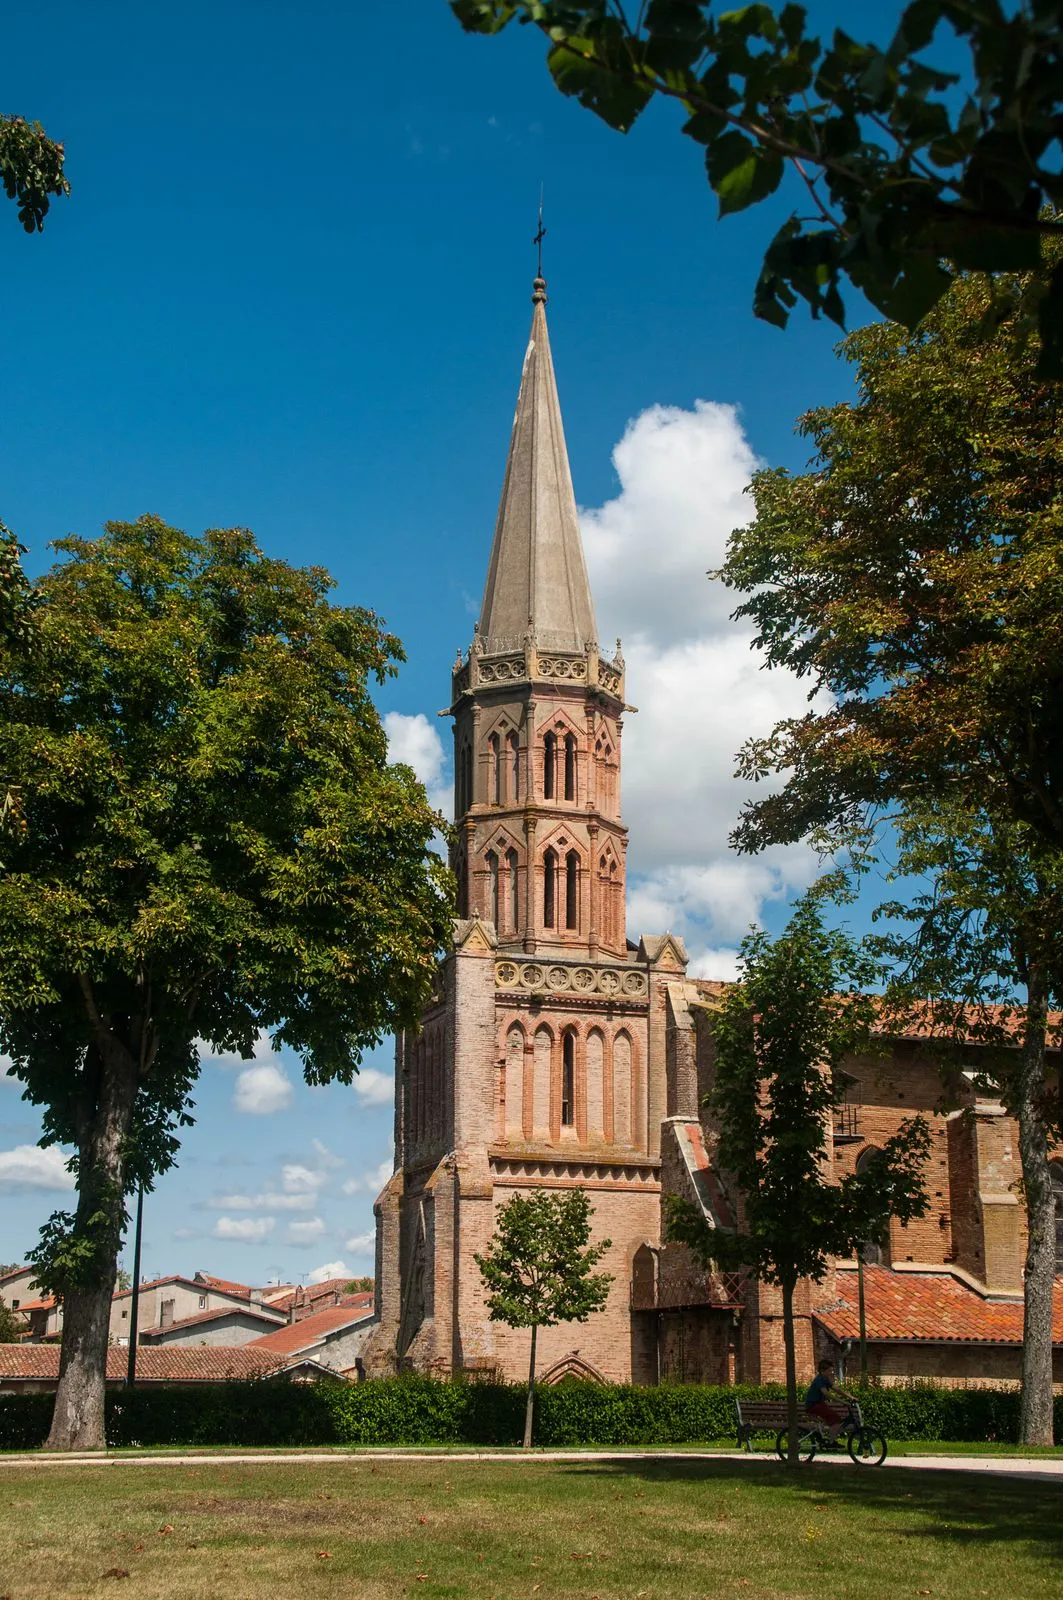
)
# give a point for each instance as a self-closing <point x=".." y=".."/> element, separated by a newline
<point x="415" y="1411"/>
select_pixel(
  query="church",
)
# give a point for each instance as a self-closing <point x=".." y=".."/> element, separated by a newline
<point x="558" y="1052"/>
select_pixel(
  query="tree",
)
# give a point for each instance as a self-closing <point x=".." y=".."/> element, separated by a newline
<point x="10" y="1326"/>
<point x="214" y="844"/>
<point x="983" y="960"/>
<point x="801" y="1006"/>
<point x="914" y="577"/>
<point x="31" y="170"/>
<point x="906" y="179"/>
<point x="538" y="1269"/>
<point x="122" y="1280"/>
<point x="360" y="1286"/>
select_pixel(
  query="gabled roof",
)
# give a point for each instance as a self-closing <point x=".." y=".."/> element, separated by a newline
<point x="266" y="1314"/>
<point x="310" y="1331"/>
<point x="537" y="578"/>
<point x="189" y="1364"/>
<point x="199" y="1285"/>
<point x="927" y="1308"/>
<point x="224" y="1285"/>
<point x="16" y="1272"/>
<point x="331" y="1290"/>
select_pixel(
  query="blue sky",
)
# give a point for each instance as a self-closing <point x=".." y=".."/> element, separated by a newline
<point x="291" y="291"/>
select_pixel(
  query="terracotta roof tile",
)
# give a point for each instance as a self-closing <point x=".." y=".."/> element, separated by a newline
<point x="311" y="1293"/>
<point x="199" y="1364"/>
<point x="927" y="1307"/>
<point x="309" y="1331"/>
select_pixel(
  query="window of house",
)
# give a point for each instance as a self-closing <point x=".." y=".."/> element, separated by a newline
<point x="202" y="1302"/>
<point x="872" y="1250"/>
<point x="125" y="1313"/>
<point x="568" y="1080"/>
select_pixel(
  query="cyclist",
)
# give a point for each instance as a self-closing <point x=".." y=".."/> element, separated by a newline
<point x="831" y="1417"/>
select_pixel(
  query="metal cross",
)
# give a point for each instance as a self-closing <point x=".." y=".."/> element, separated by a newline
<point x="541" y="235"/>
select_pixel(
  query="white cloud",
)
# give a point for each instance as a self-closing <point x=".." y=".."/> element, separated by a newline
<point x="327" y="1157"/>
<point x="261" y="1051"/>
<point x="303" y="1233"/>
<point x="362" y="1244"/>
<point x="352" y="1185"/>
<point x="262" y="1090"/>
<point x="375" y="1088"/>
<point x="6" y="1074"/>
<point x="259" y="1202"/>
<point x="330" y="1269"/>
<point x="700" y="688"/>
<point x="27" y="1166"/>
<point x="249" y="1230"/>
<point x="375" y="1179"/>
<point x="416" y="741"/>
<point x="297" y="1179"/>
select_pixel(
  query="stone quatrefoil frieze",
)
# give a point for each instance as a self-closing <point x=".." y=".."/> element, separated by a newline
<point x="504" y="671"/>
<point x="539" y="977"/>
<point x="563" y="666"/>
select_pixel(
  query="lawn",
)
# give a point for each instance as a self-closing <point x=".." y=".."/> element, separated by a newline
<point x="633" y="1530"/>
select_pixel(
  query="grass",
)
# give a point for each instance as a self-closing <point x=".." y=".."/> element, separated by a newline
<point x="447" y="1530"/>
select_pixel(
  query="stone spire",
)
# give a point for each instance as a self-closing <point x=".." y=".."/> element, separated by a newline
<point x="537" y="580"/>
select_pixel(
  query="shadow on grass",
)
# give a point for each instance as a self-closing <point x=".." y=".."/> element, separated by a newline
<point x="959" y="1508"/>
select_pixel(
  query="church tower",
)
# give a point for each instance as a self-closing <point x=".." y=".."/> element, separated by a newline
<point x="541" y="1062"/>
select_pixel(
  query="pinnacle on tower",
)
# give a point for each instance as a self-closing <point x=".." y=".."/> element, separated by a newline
<point x="537" y="580"/>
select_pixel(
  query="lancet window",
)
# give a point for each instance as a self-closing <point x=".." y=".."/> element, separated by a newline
<point x="568" y="1079"/>
<point x="550" y="889"/>
<point x="570" y="766"/>
<point x="549" y="765"/>
<point x="493" y="905"/>
<point x="513" y="884"/>
<point x="513" y="764"/>
<point x="494" y="769"/>
<point x="572" y="890"/>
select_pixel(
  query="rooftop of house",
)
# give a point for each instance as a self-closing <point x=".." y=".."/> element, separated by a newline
<point x="332" y="1292"/>
<point x="927" y="1308"/>
<point x="265" y="1314"/>
<point x="310" y="1331"/>
<point x="187" y="1364"/>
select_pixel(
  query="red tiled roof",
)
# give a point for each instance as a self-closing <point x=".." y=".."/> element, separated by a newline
<point x="200" y="1364"/>
<point x="16" y="1272"/>
<point x="261" y="1313"/>
<point x="311" y="1293"/>
<point x="36" y="1305"/>
<point x="309" y="1331"/>
<point x="225" y="1285"/>
<point x="927" y="1308"/>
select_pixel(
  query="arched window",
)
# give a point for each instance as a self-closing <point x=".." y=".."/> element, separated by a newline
<point x="493" y="906"/>
<point x="568" y="1080"/>
<point x="872" y="1249"/>
<point x="513" y="763"/>
<point x="514" y="1082"/>
<point x="512" y="869"/>
<point x="462" y="795"/>
<point x="549" y="765"/>
<point x="494" y="765"/>
<point x="550" y="889"/>
<point x="595" y="1059"/>
<point x="572" y="890"/>
<point x="1056" y="1170"/>
<point x="570" y="767"/>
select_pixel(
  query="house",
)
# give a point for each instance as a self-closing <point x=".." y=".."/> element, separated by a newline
<point x="34" y="1368"/>
<point x="332" y="1337"/>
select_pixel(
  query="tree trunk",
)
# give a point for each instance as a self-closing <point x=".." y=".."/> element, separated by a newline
<point x="1035" y="1414"/>
<point x="103" y="1128"/>
<point x="791" y="1369"/>
<point x="529" y="1410"/>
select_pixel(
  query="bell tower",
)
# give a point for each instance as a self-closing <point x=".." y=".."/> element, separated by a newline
<point x="540" y="848"/>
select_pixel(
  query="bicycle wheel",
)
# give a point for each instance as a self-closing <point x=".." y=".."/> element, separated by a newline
<point x="807" y="1444"/>
<point x="867" y="1448"/>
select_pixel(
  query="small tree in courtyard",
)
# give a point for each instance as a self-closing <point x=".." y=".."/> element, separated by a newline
<point x="539" y="1269"/>
<point x="10" y="1326"/>
<point x="781" y="1035"/>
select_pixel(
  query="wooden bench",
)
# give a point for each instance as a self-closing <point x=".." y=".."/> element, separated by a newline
<point x="764" y="1416"/>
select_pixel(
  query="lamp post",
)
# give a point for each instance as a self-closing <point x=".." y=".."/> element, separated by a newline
<point x="134" y="1304"/>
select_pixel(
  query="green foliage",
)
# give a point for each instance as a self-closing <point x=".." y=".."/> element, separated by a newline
<point x="781" y="1033"/>
<point x="10" y="1325"/>
<point x="416" y="1411"/>
<point x="214" y="843"/>
<point x="360" y="1286"/>
<point x="914" y="577"/>
<point x="538" y="1269"/>
<point x="906" y="180"/>
<point x="31" y="170"/>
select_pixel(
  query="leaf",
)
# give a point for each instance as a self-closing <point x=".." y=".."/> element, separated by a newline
<point x="617" y="99"/>
<point x="740" y="171"/>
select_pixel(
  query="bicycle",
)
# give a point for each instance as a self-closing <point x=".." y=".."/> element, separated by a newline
<point x="867" y="1447"/>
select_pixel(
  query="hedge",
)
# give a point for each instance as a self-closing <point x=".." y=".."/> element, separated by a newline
<point x="411" y="1411"/>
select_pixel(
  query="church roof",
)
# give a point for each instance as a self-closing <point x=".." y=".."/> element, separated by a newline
<point x="537" y="579"/>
